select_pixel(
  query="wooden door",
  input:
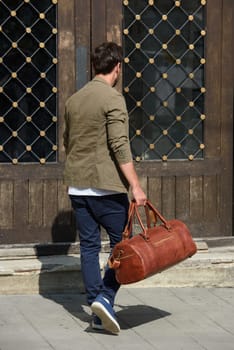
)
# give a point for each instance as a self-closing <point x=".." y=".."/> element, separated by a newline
<point x="34" y="206"/>
<point x="33" y="202"/>
<point x="192" y="184"/>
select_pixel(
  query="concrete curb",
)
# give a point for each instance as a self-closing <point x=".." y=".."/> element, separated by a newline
<point x="61" y="274"/>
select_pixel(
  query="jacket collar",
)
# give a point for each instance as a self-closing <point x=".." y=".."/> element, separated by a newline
<point x="100" y="80"/>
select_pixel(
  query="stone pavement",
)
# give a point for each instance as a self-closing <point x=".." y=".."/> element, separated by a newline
<point x="150" y="318"/>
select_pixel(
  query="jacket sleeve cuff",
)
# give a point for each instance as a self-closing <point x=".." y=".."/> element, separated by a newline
<point x="123" y="156"/>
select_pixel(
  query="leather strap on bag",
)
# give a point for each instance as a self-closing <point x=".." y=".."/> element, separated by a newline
<point x="128" y="228"/>
<point x="151" y="215"/>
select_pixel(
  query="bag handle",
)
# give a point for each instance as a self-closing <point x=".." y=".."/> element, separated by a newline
<point x="128" y="228"/>
<point x="151" y="214"/>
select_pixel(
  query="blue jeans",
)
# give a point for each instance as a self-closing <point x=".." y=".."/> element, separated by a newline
<point x="91" y="212"/>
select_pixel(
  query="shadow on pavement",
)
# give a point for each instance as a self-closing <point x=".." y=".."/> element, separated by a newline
<point x="136" y="315"/>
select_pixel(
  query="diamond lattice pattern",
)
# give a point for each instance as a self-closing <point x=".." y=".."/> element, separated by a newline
<point x="164" y="77"/>
<point x="28" y="88"/>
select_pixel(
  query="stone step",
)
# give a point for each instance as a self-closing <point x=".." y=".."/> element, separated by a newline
<point x="28" y="274"/>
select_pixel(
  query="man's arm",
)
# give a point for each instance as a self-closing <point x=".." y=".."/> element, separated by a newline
<point x="129" y="172"/>
<point x="118" y="140"/>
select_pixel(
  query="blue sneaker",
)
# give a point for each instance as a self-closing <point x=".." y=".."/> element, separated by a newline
<point x="97" y="323"/>
<point x="103" y="309"/>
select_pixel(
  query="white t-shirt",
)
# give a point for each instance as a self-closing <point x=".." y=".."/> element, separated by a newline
<point x="74" y="191"/>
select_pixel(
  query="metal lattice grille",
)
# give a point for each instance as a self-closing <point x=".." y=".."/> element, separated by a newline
<point x="164" y="77"/>
<point x="28" y="85"/>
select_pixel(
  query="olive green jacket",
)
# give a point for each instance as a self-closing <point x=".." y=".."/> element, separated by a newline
<point x="96" y="138"/>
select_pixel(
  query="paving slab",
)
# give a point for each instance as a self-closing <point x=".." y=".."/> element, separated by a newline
<point x="150" y="318"/>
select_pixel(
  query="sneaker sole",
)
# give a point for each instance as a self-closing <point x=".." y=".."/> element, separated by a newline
<point x="108" y="322"/>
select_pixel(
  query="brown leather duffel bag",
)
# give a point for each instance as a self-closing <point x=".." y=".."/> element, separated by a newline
<point x="153" y="250"/>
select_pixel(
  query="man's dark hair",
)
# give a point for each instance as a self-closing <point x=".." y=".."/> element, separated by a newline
<point x="106" y="56"/>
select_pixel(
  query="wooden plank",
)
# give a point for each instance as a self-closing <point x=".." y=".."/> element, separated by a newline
<point x="168" y="197"/>
<point x="182" y="197"/>
<point x="114" y="21"/>
<point x="180" y="168"/>
<point x="20" y="207"/>
<point x="83" y="32"/>
<point x="63" y="198"/>
<point x="218" y="199"/>
<point x="210" y="198"/>
<point x="6" y="204"/>
<point x="65" y="212"/>
<point x="213" y="78"/>
<point x="50" y="202"/>
<point x="114" y="16"/>
<point x="64" y="226"/>
<point x="227" y="119"/>
<point x="155" y="191"/>
<point x="35" y="203"/>
<point x="46" y="171"/>
<point x="41" y="235"/>
<point x="66" y="68"/>
<point x="202" y="229"/>
<point x="144" y="183"/>
<point x="98" y="15"/>
<point x="196" y="199"/>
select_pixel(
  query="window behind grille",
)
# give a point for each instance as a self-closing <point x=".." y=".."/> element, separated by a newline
<point x="164" y="77"/>
<point x="28" y="81"/>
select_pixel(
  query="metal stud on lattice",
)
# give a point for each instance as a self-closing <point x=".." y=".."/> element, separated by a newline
<point x="164" y="77"/>
<point x="28" y="81"/>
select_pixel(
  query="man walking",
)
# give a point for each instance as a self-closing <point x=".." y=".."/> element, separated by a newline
<point x="98" y="171"/>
